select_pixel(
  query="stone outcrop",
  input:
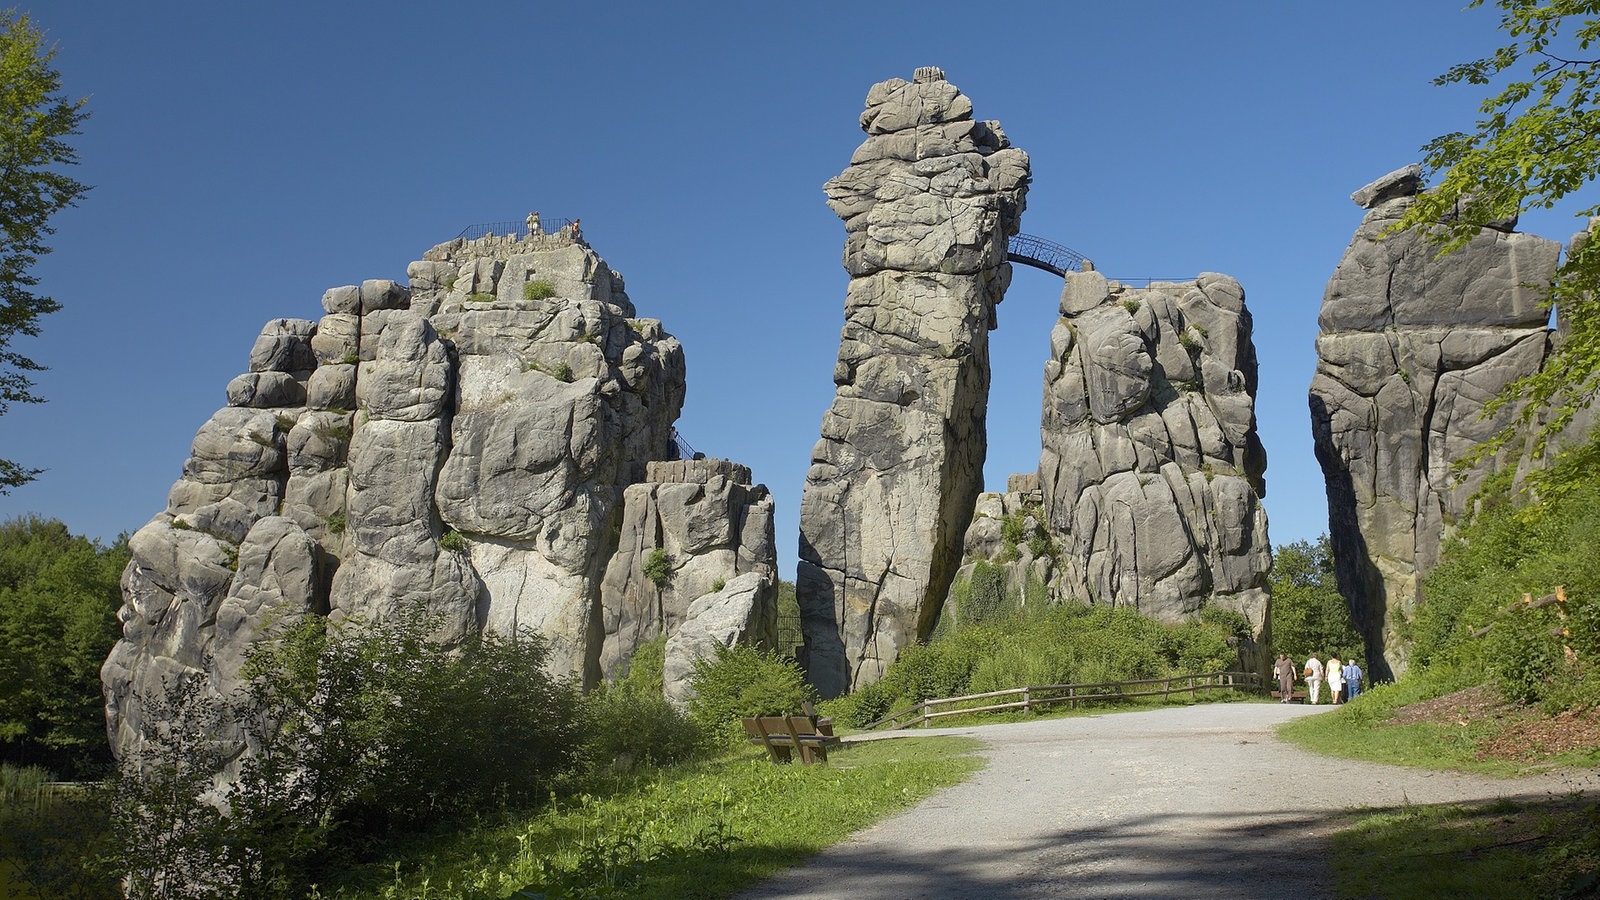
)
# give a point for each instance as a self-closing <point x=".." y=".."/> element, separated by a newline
<point x="1412" y="345"/>
<point x="928" y="202"/>
<point x="1151" y="471"/>
<point x="705" y="526"/>
<point x="744" y="611"/>
<point x="460" y="445"/>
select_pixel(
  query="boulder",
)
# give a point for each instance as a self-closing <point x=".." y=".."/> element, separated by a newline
<point x="743" y="612"/>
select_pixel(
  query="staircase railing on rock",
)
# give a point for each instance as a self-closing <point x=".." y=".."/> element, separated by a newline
<point x="1070" y="694"/>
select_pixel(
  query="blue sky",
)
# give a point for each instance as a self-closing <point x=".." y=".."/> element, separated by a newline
<point x="246" y="157"/>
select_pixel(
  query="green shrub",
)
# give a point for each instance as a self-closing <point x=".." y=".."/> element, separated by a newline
<point x="1516" y="544"/>
<point x="645" y="668"/>
<point x="624" y="726"/>
<point x="336" y="522"/>
<point x="658" y="568"/>
<point x="453" y="541"/>
<point x="563" y="373"/>
<point x="742" y="681"/>
<point x="361" y="733"/>
<point x="538" y="289"/>
<point x="350" y="359"/>
<point x="718" y="584"/>
<point x="481" y="297"/>
<point x="1131" y="305"/>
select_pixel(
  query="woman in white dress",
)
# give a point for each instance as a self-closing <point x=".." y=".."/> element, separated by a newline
<point x="1335" y="670"/>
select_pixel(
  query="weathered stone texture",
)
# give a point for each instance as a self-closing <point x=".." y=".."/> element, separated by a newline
<point x="1412" y="345"/>
<point x="712" y="526"/>
<point x="928" y="202"/>
<point x="419" y="448"/>
<point x="1151" y="471"/>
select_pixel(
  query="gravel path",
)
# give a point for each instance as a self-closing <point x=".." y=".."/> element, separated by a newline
<point x="1187" y="802"/>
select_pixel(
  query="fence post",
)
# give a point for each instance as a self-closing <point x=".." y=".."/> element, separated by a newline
<point x="1026" y="700"/>
<point x="926" y="707"/>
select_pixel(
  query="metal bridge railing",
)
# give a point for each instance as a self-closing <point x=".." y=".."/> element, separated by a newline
<point x="1050" y="256"/>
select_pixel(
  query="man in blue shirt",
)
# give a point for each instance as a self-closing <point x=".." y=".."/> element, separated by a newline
<point x="1352" y="679"/>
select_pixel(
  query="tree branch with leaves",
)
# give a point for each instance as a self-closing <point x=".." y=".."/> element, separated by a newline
<point x="35" y="120"/>
<point x="1537" y="144"/>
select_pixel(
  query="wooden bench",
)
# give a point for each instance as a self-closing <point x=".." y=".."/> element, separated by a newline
<point x="1294" y="696"/>
<point x="782" y="735"/>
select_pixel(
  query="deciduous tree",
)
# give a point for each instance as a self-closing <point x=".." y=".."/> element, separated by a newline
<point x="35" y="121"/>
<point x="1537" y="143"/>
<point x="1308" y="613"/>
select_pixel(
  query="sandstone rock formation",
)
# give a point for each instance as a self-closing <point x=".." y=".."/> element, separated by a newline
<point x="741" y="612"/>
<point x="928" y="202"/>
<point x="1412" y="345"/>
<point x="706" y="525"/>
<point x="460" y="445"/>
<point x="1151" y="472"/>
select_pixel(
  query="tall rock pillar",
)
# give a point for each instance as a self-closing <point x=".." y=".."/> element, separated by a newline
<point x="1412" y="345"/>
<point x="928" y="202"/>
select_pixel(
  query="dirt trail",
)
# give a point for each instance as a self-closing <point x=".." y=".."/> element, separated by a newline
<point x="1186" y="802"/>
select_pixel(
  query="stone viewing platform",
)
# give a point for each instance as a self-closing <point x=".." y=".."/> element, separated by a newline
<point x="501" y="240"/>
<point x="695" y="471"/>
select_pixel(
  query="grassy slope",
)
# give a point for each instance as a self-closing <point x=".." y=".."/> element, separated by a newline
<point x="1501" y="849"/>
<point x="707" y="829"/>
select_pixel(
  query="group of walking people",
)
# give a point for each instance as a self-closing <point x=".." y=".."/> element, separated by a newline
<point x="1343" y="678"/>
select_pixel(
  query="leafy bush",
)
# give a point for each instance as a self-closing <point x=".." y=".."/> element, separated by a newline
<point x="563" y="373"/>
<point x="481" y="297"/>
<point x="538" y="289"/>
<point x="360" y="733"/>
<point x="453" y="541"/>
<point x="625" y="726"/>
<point x="742" y="681"/>
<point x="1521" y="542"/>
<point x="1046" y="644"/>
<point x="658" y="568"/>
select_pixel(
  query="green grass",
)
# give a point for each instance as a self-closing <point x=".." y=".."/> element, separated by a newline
<point x="1503" y="849"/>
<point x="1360" y="730"/>
<point x="707" y="829"/>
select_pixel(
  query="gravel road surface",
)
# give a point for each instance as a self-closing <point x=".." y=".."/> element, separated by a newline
<point x="1187" y="802"/>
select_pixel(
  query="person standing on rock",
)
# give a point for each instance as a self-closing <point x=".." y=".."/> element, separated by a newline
<point x="1284" y="670"/>
<point x="1352" y="680"/>
<point x="1335" y="670"/>
<point x="1313" y="675"/>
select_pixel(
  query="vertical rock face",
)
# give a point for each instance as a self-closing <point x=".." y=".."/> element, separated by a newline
<point x="1151" y="472"/>
<point x="460" y="445"/>
<point x="706" y="525"/>
<point x="928" y="202"/>
<point x="1412" y="345"/>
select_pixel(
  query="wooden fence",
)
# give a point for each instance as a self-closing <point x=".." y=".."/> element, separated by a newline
<point x="1071" y="694"/>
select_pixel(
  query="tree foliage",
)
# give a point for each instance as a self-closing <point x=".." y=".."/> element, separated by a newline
<point x="1469" y="622"/>
<point x="35" y="120"/>
<point x="360" y="734"/>
<point x="1309" y="615"/>
<point x="58" y="603"/>
<point x="1537" y="142"/>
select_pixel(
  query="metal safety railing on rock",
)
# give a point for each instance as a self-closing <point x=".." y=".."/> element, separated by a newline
<point x="1071" y="694"/>
<point x="513" y="228"/>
